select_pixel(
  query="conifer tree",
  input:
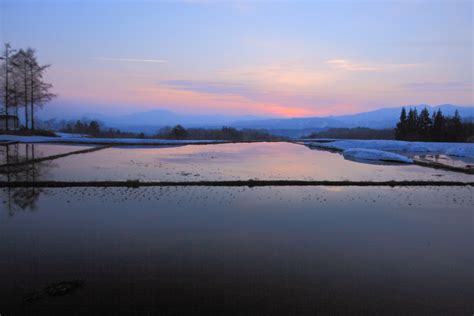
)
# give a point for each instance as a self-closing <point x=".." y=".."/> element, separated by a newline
<point x="425" y="124"/>
<point x="455" y="128"/>
<point x="439" y="126"/>
<point x="412" y="125"/>
<point x="401" y="130"/>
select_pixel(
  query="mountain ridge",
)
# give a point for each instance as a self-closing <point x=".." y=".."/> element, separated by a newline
<point x="151" y="121"/>
<point x="378" y="119"/>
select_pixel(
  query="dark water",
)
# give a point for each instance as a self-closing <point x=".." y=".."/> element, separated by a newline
<point x="272" y="250"/>
<point x="225" y="251"/>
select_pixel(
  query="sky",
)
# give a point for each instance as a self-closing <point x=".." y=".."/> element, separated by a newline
<point x="263" y="58"/>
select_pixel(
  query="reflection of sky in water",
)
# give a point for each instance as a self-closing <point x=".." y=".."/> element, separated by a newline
<point x="19" y="152"/>
<point x="232" y="162"/>
<point x="407" y="250"/>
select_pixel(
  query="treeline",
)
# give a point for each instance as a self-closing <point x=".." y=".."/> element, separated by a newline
<point x="354" y="133"/>
<point x="81" y="127"/>
<point x="436" y="127"/>
<point x="224" y="133"/>
<point x="92" y="128"/>
<point x="22" y="85"/>
<point x="97" y="129"/>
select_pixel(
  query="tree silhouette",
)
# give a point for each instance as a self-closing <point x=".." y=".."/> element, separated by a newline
<point x="412" y="125"/>
<point x="22" y="83"/>
<point x="439" y="126"/>
<point x="455" y="128"/>
<point x="179" y="132"/>
<point x="401" y="129"/>
<point x="434" y="128"/>
<point x="6" y="72"/>
<point x="20" y="62"/>
<point x="39" y="90"/>
<point x="425" y="124"/>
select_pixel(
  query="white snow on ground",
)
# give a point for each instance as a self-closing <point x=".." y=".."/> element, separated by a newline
<point x="105" y="141"/>
<point x="397" y="146"/>
<point x="373" y="154"/>
<point x="461" y="151"/>
<point x="71" y="135"/>
<point x="322" y="140"/>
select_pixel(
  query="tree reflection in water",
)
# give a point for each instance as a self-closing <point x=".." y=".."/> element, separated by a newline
<point x="16" y="199"/>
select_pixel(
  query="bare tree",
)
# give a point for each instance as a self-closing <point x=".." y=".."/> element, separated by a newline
<point x="20" y="62"/>
<point x="22" y="84"/>
<point x="31" y="88"/>
<point x="6" y="82"/>
<point x="40" y="91"/>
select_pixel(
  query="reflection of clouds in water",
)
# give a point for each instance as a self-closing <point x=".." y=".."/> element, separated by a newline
<point x="334" y="189"/>
<point x="265" y="161"/>
<point x="242" y="161"/>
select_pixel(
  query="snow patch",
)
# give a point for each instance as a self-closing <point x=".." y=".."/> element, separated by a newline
<point x="373" y="154"/>
<point x="71" y="135"/>
<point x="397" y="146"/>
<point x="461" y="151"/>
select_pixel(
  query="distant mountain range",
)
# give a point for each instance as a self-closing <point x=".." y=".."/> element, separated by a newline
<point x="381" y="118"/>
<point x="149" y="122"/>
<point x="166" y="118"/>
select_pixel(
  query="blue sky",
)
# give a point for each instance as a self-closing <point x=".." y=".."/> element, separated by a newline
<point x="273" y="58"/>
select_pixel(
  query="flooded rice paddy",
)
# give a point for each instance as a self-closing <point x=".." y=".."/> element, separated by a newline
<point x="233" y="250"/>
<point x="264" y="161"/>
<point x="26" y="152"/>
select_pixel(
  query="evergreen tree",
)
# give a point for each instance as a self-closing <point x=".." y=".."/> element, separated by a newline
<point x="401" y="130"/>
<point x="439" y="127"/>
<point x="412" y="125"/>
<point x="425" y="124"/>
<point x="454" y="127"/>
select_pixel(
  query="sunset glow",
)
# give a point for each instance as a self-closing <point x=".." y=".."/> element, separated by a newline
<point x="220" y="57"/>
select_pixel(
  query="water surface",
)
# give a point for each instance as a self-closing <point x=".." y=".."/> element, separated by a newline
<point x="273" y="250"/>
<point x="243" y="161"/>
<point x="13" y="153"/>
<point x="234" y="250"/>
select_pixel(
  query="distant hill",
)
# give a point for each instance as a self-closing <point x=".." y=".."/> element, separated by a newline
<point x="169" y="118"/>
<point x="388" y="117"/>
<point x="151" y="121"/>
<point x="381" y="118"/>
